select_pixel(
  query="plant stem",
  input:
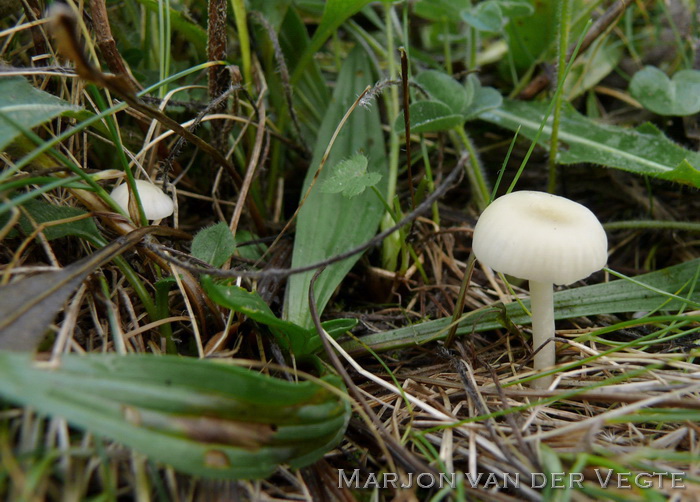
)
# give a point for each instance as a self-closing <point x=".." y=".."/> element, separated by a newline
<point x="564" y="29"/>
<point x="473" y="41"/>
<point x="461" y="298"/>
<point x="164" y="45"/>
<point x="390" y="246"/>
<point x="392" y="105"/>
<point x="429" y="177"/>
<point x="542" y="307"/>
<point x="446" y="46"/>
<point x="475" y="173"/>
<point x="240" y="14"/>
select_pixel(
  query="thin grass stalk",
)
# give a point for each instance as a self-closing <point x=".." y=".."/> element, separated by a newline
<point x="117" y="335"/>
<point x="474" y="171"/>
<point x="687" y="226"/>
<point x="241" y="17"/>
<point x="392" y="105"/>
<point x="116" y="139"/>
<point x="549" y="110"/>
<point x="564" y="29"/>
<point x="164" y="43"/>
<point x="429" y="177"/>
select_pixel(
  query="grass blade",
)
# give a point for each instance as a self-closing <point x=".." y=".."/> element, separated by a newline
<point x="608" y="298"/>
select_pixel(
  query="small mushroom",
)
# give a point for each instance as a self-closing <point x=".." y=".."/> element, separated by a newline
<point x="156" y="205"/>
<point x="547" y="240"/>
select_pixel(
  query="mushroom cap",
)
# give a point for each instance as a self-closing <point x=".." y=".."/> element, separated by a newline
<point x="540" y="237"/>
<point x="156" y="205"/>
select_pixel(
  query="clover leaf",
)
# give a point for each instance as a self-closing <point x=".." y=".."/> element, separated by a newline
<point x="678" y="96"/>
<point x="351" y="177"/>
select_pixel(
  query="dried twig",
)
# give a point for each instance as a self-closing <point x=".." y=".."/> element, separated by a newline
<point x="107" y="45"/>
<point x="286" y="272"/>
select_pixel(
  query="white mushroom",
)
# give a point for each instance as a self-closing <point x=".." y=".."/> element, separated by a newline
<point x="547" y="240"/>
<point x="156" y="205"/>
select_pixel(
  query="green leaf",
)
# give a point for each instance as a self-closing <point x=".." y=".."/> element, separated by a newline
<point x="42" y="212"/>
<point x="516" y="8"/>
<point x="438" y="10"/>
<point x="214" y="244"/>
<point x="585" y="140"/>
<point x="300" y="341"/>
<point x="289" y="335"/>
<point x="334" y="327"/>
<point x="204" y="418"/>
<point x="329" y="224"/>
<point x="335" y="13"/>
<point x="609" y="298"/>
<point x="350" y="177"/>
<point x="252" y="252"/>
<point x="28" y="107"/>
<point x="529" y="39"/>
<point x="444" y="88"/>
<point x="485" y="98"/>
<point x="429" y="116"/>
<point x="485" y="16"/>
<point x="679" y="96"/>
<point x="311" y="94"/>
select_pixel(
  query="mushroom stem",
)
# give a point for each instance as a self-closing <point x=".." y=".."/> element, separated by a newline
<point x="542" y="305"/>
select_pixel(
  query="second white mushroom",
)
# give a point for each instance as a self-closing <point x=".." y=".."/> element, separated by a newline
<point x="156" y="205"/>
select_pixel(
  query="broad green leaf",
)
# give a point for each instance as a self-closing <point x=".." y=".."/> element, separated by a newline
<point x="485" y="16"/>
<point x="585" y="140"/>
<point x="429" y="116"/>
<point x="214" y="244"/>
<point x="311" y="94"/>
<point x="204" y="418"/>
<point x="485" y="98"/>
<point x="335" y="13"/>
<point x="678" y="96"/>
<point x="350" y="177"/>
<point x="529" y="38"/>
<point x="290" y="336"/>
<point x="609" y="298"/>
<point x="42" y="212"/>
<point x="329" y="224"/>
<point x="27" y="106"/>
<point x="446" y="89"/>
